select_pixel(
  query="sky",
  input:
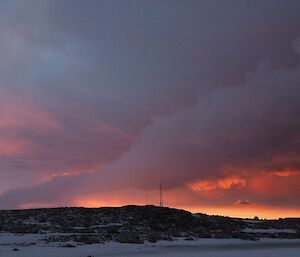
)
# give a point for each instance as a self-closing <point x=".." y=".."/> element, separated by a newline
<point x="101" y="101"/>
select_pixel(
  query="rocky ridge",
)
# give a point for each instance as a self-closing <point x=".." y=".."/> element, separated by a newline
<point x="137" y="224"/>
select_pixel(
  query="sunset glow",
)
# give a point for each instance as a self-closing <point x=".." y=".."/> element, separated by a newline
<point x="101" y="103"/>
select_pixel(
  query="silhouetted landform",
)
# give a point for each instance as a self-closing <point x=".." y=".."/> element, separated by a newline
<point x="137" y="224"/>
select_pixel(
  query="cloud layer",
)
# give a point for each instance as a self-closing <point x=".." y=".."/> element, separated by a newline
<point x="110" y="97"/>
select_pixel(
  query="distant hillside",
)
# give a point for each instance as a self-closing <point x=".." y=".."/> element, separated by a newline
<point x="136" y="224"/>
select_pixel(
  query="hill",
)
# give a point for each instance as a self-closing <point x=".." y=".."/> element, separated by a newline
<point x="136" y="224"/>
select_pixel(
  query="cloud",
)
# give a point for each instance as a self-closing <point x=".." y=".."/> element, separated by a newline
<point x="243" y="202"/>
<point x="131" y="94"/>
<point x="236" y="133"/>
<point x="223" y="183"/>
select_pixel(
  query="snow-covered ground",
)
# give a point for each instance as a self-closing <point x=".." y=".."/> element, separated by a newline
<point x="32" y="246"/>
<point x="269" y="230"/>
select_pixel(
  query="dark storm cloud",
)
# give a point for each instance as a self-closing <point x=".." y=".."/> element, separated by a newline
<point x="148" y="91"/>
<point x="237" y="131"/>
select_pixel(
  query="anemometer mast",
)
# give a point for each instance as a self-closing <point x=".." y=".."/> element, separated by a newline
<point x="161" y="196"/>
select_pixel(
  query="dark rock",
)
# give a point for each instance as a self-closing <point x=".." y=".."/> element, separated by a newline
<point x="130" y="238"/>
<point x="69" y="246"/>
<point x="189" y="239"/>
<point x="135" y="224"/>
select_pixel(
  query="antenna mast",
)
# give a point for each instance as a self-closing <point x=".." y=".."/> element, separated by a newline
<point x="161" y="199"/>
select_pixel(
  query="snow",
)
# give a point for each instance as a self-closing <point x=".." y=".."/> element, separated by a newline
<point x="269" y="230"/>
<point x="79" y="228"/>
<point x="179" y="248"/>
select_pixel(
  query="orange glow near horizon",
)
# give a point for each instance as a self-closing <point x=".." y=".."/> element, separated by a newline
<point x="234" y="210"/>
<point x="233" y="196"/>
<point x="263" y="212"/>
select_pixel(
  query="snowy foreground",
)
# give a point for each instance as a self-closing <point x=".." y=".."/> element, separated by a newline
<point x="33" y="246"/>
